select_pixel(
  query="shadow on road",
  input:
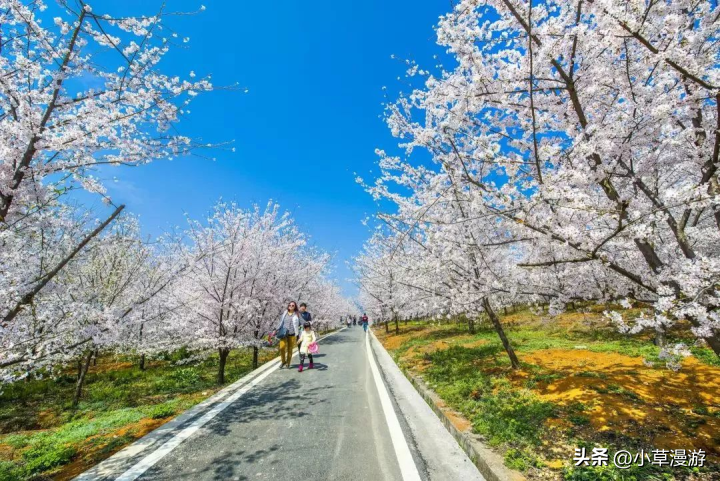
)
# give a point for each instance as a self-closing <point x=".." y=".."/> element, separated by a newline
<point x="242" y="442"/>
<point x="225" y="467"/>
<point x="336" y="339"/>
<point x="274" y="404"/>
<point x="316" y="367"/>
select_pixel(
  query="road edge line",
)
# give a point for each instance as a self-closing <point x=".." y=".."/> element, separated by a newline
<point x="166" y="448"/>
<point x="408" y="469"/>
<point x="490" y="464"/>
<point x="180" y="423"/>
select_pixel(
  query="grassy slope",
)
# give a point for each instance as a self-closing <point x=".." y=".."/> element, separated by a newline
<point x="43" y="437"/>
<point x="581" y="384"/>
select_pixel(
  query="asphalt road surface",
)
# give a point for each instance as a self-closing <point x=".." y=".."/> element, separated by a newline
<point x="335" y="422"/>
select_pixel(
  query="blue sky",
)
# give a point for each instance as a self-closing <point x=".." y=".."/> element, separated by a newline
<point x="310" y="119"/>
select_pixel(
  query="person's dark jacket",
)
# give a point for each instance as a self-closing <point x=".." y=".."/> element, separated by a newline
<point x="306" y="316"/>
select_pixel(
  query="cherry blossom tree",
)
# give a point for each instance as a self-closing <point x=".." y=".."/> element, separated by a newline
<point x="30" y="252"/>
<point x="245" y="265"/>
<point x="111" y="285"/>
<point x="82" y="93"/>
<point x="66" y="106"/>
<point x="381" y="274"/>
<point x="88" y="306"/>
<point x="585" y="137"/>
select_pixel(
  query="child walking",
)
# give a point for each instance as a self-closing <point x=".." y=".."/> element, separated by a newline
<point x="307" y="337"/>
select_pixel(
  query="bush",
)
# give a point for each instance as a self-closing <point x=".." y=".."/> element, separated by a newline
<point x="520" y="460"/>
<point x="178" y="355"/>
<point x="45" y="457"/>
<point x="186" y="376"/>
<point x="161" y="411"/>
<point x="10" y="471"/>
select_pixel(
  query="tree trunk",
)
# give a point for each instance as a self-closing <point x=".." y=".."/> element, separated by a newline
<point x="96" y="354"/>
<point x="397" y="326"/>
<point x="514" y="361"/>
<point x="140" y="338"/>
<point x="84" y="366"/>
<point x="221" y="367"/>
<point x="713" y="340"/>
<point x="714" y="343"/>
<point x="660" y="335"/>
<point x="256" y="350"/>
<point x="471" y="324"/>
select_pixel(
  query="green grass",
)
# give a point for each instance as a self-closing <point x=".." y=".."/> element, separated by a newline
<point x="502" y="414"/>
<point x="528" y="339"/>
<point x="476" y="380"/>
<point x="45" y="433"/>
<point x="706" y="355"/>
<point x="520" y="460"/>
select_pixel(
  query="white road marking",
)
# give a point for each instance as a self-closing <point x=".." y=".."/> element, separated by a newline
<point x="148" y="461"/>
<point x="402" y="451"/>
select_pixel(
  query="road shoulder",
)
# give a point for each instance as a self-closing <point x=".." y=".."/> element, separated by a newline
<point x="442" y="457"/>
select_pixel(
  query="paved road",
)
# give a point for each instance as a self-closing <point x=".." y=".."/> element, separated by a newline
<point x="326" y="423"/>
<point x="322" y="424"/>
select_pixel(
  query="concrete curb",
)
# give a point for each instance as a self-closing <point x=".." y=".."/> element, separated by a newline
<point x="490" y="464"/>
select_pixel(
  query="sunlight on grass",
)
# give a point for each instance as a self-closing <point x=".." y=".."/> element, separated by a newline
<point x="577" y="386"/>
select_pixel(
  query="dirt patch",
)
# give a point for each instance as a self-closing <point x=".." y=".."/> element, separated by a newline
<point x="432" y="347"/>
<point x="623" y="395"/>
<point x="392" y="342"/>
<point x="48" y="418"/>
<point x="6" y="452"/>
<point x="458" y="421"/>
<point x="110" y="366"/>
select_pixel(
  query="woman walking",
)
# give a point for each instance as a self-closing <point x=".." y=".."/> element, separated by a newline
<point x="286" y="332"/>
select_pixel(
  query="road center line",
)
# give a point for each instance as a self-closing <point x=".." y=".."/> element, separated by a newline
<point x="402" y="451"/>
<point x="148" y="461"/>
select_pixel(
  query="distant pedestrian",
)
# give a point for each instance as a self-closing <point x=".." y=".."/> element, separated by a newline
<point x="287" y="331"/>
<point x="364" y="319"/>
<point x="306" y="340"/>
